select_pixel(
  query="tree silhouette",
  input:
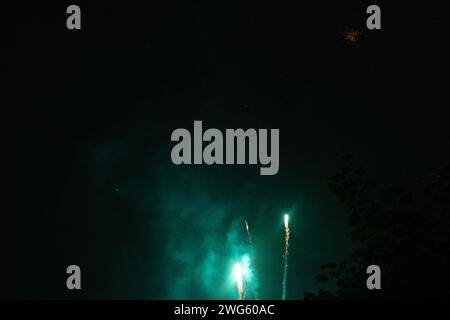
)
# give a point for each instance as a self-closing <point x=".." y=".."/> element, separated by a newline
<point x="406" y="233"/>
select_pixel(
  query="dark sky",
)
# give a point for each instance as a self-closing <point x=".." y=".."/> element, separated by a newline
<point x="90" y="114"/>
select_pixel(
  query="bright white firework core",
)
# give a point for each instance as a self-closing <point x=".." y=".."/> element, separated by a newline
<point x="286" y="220"/>
<point x="238" y="274"/>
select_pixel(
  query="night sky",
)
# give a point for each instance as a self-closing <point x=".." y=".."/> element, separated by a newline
<point x="89" y="115"/>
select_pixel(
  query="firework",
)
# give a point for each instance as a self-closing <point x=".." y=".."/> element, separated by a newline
<point x="286" y="252"/>
<point x="238" y="277"/>
<point x="352" y="37"/>
<point x="249" y="268"/>
<point x="248" y="233"/>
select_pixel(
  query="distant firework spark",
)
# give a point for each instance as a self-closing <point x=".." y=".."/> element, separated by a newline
<point x="352" y="37"/>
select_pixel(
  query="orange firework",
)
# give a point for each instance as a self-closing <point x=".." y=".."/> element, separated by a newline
<point x="352" y="37"/>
